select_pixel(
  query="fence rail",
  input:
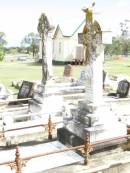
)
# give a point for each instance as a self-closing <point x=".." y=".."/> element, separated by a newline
<point x="86" y="149"/>
<point x="16" y="100"/>
<point x="49" y="126"/>
<point x="25" y="106"/>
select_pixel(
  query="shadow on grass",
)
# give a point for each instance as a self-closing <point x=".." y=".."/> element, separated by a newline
<point x="34" y="64"/>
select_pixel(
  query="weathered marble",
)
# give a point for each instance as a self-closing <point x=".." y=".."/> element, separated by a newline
<point x="94" y="115"/>
<point x="41" y="163"/>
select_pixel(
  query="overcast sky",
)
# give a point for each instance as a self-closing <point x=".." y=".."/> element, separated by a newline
<point x="20" y="17"/>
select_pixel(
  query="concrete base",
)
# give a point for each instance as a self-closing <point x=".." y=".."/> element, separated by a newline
<point x="112" y="161"/>
<point x="67" y="137"/>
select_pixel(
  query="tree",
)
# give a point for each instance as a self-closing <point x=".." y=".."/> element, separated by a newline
<point x="2" y="43"/>
<point x="2" y="38"/>
<point x="125" y="45"/>
<point x="31" y="43"/>
<point x="125" y="27"/>
<point x="116" y="46"/>
<point x="120" y="46"/>
<point x="124" y="38"/>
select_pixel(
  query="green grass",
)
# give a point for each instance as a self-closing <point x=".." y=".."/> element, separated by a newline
<point x="59" y="70"/>
<point x="117" y="67"/>
<point x="18" y="71"/>
<point x="22" y="71"/>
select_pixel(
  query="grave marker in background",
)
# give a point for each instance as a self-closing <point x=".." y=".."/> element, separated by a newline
<point x="68" y="70"/>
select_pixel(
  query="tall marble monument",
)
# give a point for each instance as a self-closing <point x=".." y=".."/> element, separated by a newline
<point x="92" y="116"/>
<point x="44" y="28"/>
<point x="91" y="38"/>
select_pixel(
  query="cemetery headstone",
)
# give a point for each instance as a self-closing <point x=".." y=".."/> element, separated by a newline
<point x="82" y="79"/>
<point x="26" y="90"/>
<point x="68" y="70"/>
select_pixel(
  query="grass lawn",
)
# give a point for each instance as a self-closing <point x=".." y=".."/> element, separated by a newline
<point x="117" y="67"/>
<point x="17" y="71"/>
<point x="25" y="71"/>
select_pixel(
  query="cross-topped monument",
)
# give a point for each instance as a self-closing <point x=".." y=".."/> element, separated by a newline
<point x="44" y="28"/>
<point x="92" y="117"/>
<point x="91" y="38"/>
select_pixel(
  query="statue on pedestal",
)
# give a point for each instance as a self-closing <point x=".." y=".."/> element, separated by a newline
<point x="91" y="37"/>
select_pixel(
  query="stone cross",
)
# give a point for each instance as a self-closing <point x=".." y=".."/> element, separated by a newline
<point x="91" y="38"/>
<point x="44" y="28"/>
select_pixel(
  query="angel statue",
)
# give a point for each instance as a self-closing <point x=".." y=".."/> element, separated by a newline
<point x="92" y="36"/>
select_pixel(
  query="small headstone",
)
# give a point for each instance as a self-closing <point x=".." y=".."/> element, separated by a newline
<point x="4" y="93"/>
<point x="68" y="70"/>
<point x="26" y="90"/>
<point x="82" y="79"/>
<point x="122" y="89"/>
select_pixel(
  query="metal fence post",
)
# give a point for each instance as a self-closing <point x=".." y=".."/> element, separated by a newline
<point x="50" y="127"/>
<point x="18" y="163"/>
<point x="87" y="149"/>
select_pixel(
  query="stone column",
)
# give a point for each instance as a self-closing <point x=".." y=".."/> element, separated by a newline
<point x="94" y="81"/>
<point x="49" y="49"/>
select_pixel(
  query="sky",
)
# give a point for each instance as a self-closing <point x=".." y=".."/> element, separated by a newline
<point x="20" y="17"/>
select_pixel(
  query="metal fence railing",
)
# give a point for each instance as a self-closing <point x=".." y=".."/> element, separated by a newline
<point x="86" y="149"/>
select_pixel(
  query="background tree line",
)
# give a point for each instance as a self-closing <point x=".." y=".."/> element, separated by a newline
<point x="120" y="46"/>
<point x="30" y="44"/>
<point x="2" y="44"/>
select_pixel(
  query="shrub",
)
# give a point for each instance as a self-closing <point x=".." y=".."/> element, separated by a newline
<point x="1" y="55"/>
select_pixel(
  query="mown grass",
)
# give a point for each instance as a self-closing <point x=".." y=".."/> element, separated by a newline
<point x="30" y="71"/>
<point x="117" y="67"/>
<point x="14" y="71"/>
<point x="18" y="71"/>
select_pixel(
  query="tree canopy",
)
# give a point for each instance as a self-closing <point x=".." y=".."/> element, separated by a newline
<point x="31" y="43"/>
<point x="120" y="46"/>
<point x="2" y="44"/>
